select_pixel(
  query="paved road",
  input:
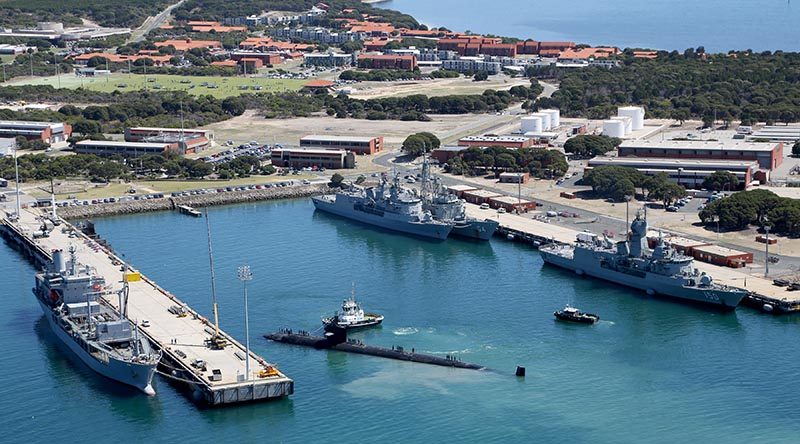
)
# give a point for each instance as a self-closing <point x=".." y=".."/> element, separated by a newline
<point x="152" y="23"/>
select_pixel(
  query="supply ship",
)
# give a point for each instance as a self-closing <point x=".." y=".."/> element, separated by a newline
<point x="387" y="206"/>
<point x="662" y="271"/>
<point x="110" y="344"/>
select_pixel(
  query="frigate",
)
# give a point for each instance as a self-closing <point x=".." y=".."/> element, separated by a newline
<point x="662" y="271"/>
<point x="71" y="297"/>
<point x="388" y="206"/>
<point x="447" y="207"/>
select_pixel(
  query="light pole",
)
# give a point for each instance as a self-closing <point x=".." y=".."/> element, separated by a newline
<point x="244" y="276"/>
<point x="766" y="246"/>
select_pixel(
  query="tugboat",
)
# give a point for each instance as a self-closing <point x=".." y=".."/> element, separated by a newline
<point x="572" y="314"/>
<point x="352" y="316"/>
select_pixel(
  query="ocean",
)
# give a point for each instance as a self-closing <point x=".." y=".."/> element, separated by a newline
<point x="718" y="25"/>
<point x="651" y="371"/>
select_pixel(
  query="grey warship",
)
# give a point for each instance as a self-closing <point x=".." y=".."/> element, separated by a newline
<point x="105" y="340"/>
<point x="662" y="271"/>
<point x="447" y="207"/>
<point x="387" y="206"/>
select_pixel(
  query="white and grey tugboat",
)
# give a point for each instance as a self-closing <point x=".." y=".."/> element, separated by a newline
<point x="447" y="207"/>
<point x="352" y="316"/>
<point x="105" y="340"/>
<point x="661" y="271"/>
<point x="386" y="206"/>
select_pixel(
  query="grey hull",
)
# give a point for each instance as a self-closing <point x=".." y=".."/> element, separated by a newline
<point x="437" y="231"/>
<point x="652" y="284"/>
<point x="476" y="229"/>
<point x="136" y="375"/>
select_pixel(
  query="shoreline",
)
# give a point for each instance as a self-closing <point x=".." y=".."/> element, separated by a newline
<point x="203" y="200"/>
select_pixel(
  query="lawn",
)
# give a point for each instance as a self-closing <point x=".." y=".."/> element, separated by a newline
<point x="217" y="86"/>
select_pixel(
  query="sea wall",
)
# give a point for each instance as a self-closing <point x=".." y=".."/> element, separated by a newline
<point x="200" y="200"/>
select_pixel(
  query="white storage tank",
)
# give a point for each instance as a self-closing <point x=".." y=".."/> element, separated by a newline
<point x="546" y="124"/>
<point x="531" y="124"/>
<point x="555" y="117"/>
<point x="614" y="128"/>
<point x="627" y="121"/>
<point x="636" y="113"/>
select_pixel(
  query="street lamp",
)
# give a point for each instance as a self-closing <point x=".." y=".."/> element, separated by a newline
<point x="766" y="246"/>
<point x="246" y="275"/>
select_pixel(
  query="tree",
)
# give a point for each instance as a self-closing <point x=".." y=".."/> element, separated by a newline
<point x="419" y="143"/>
<point x="234" y="106"/>
<point x="667" y="192"/>
<point x="721" y="180"/>
<point x="481" y="76"/>
<point x="336" y="180"/>
<point x="796" y="149"/>
<point x="622" y="188"/>
<point x="587" y="145"/>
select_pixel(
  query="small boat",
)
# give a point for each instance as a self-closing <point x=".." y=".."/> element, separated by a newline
<point x="574" y="315"/>
<point x="352" y="316"/>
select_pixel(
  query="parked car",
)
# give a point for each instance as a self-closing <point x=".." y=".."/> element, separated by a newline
<point x="672" y="209"/>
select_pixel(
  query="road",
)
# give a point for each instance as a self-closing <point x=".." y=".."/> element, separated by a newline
<point x="152" y="23"/>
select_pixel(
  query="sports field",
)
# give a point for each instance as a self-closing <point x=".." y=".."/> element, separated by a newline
<point x="216" y="86"/>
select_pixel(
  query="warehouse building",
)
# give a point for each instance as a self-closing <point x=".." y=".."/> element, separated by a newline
<point x="515" y="177"/>
<point x="689" y="173"/>
<point x="504" y="141"/>
<point x="510" y="204"/>
<point x="768" y="155"/>
<point x="445" y="153"/>
<point x="358" y="145"/>
<point x="471" y="64"/>
<point x="140" y="134"/>
<point x="126" y="149"/>
<point x="722" y="256"/>
<point x="479" y="196"/>
<point x="301" y="158"/>
<point x="459" y="190"/>
<point x="47" y="132"/>
<point x="783" y="133"/>
<point x="330" y="59"/>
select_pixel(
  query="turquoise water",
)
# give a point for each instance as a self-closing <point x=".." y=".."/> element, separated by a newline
<point x="719" y="25"/>
<point x="651" y="371"/>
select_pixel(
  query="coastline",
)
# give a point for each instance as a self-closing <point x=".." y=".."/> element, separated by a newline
<point x="202" y="200"/>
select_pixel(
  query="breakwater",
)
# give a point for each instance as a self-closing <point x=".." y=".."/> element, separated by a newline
<point x="199" y="200"/>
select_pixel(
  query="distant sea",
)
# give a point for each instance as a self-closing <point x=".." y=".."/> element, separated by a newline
<point x="718" y="25"/>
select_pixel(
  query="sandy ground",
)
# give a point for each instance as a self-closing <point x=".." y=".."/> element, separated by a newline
<point x="434" y="87"/>
<point x="251" y="126"/>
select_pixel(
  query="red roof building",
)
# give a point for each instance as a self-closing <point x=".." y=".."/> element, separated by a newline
<point x="187" y="44"/>
<point x="387" y="61"/>
<point x="528" y="47"/>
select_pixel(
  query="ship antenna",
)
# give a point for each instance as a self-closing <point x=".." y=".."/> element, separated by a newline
<point x="353" y="291"/>
<point x="213" y="279"/>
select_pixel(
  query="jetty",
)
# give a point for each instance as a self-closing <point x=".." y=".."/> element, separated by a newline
<point x="762" y="294"/>
<point x="211" y="372"/>
<point x="189" y="211"/>
<point x="337" y="340"/>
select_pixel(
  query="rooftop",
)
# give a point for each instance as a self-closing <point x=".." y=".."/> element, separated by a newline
<point x="121" y="144"/>
<point x="316" y="138"/>
<point x="481" y="193"/>
<point x="493" y="139"/>
<point x="719" y="251"/>
<point x="698" y="145"/>
<point x="511" y="200"/>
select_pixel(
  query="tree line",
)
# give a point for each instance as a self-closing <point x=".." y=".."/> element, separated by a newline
<point x="754" y="208"/>
<point x="539" y="162"/>
<point x="752" y="87"/>
<point x="114" y="13"/>
<point x="620" y="183"/>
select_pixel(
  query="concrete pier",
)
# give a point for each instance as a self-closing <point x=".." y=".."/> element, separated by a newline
<point x="211" y="376"/>
<point x="761" y="290"/>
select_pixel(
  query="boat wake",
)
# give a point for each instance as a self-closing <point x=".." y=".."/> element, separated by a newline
<point x="405" y="331"/>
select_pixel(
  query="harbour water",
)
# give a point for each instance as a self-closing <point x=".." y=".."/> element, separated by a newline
<point x="719" y="25"/>
<point x="650" y="371"/>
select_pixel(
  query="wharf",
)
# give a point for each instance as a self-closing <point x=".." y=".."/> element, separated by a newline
<point x="761" y="291"/>
<point x="349" y="346"/>
<point x="189" y="211"/>
<point x="174" y="327"/>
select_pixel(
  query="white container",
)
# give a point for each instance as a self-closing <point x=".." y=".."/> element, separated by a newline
<point x="636" y="113"/>
<point x="546" y="124"/>
<point x="614" y="128"/>
<point x="531" y="124"/>
<point x="627" y="121"/>
<point x="555" y="117"/>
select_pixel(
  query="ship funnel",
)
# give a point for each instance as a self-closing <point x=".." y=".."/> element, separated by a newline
<point x="59" y="263"/>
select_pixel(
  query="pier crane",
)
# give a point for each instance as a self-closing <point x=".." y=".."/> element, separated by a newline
<point x="216" y="341"/>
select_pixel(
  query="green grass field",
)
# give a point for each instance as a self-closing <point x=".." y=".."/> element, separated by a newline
<point x="224" y="86"/>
